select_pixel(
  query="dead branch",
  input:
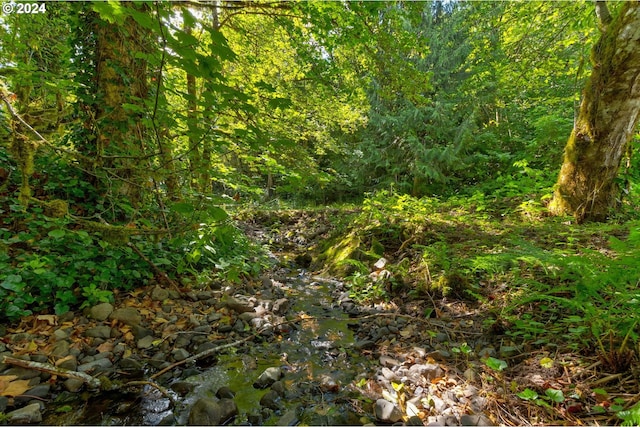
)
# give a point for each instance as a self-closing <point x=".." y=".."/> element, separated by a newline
<point x="53" y="370"/>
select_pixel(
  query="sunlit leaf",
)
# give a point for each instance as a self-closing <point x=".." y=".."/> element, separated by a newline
<point x="546" y="362"/>
<point x="495" y="364"/>
<point x="527" y="394"/>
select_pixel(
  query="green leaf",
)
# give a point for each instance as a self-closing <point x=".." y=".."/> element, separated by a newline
<point x="11" y="283"/>
<point x="111" y="11"/>
<point x="554" y="395"/>
<point x="183" y="208"/>
<point x="57" y="234"/>
<point x="495" y="364"/>
<point x="217" y="214"/>
<point x="527" y="394"/>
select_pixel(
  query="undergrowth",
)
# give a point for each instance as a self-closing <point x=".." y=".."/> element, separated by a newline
<point x="538" y="276"/>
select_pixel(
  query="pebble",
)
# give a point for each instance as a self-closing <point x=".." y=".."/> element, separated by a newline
<point x="270" y="400"/>
<point x="95" y="366"/>
<point x="159" y="294"/>
<point x="179" y="354"/>
<point x="210" y="412"/>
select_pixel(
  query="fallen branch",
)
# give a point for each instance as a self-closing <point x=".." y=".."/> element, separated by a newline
<point x="50" y="369"/>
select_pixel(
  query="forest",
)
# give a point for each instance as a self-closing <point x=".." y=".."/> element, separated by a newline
<point x="320" y="212"/>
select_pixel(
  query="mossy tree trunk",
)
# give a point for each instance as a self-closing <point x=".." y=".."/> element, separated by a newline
<point x="607" y="120"/>
<point x="121" y="89"/>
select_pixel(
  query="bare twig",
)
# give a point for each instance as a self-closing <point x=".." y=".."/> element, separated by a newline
<point x="53" y="370"/>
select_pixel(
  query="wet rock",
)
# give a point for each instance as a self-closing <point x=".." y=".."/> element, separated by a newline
<point x="126" y="315"/>
<point x="4" y="401"/>
<point x="290" y="418"/>
<point x="329" y="384"/>
<point x="30" y="414"/>
<point x="73" y="385"/>
<point x="183" y="387"/>
<point x="131" y="366"/>
<point x="268" y="377"/>
<point x="99" y="365"/>
<point x="101" y="312"/>
<point x="102" y="331"/>
<point x="159" y="294"/>
<point x="475" y="420"/>
<point x="225" y="393"/>
<point x="270" y="400"/>
<point x="210" y="412"/>
<point x="179" y="354"/>
<point x="279" y="388"/>
<point x="386" y="411"/>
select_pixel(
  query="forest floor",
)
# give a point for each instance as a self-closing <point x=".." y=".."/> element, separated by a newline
<point x="472" y="328"/>
<point x="504" y="330"/>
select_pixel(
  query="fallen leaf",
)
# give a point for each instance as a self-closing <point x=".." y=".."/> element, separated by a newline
<point x="51" y="319"/>
<point x="16" y="388"/>
<point x="64" y="359"/>
<point x="105" y="346"/>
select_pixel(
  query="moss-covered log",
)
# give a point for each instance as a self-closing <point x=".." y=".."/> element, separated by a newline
<point x="608" y="116"/>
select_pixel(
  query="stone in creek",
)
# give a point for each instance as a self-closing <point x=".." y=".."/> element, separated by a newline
<point x="290" y="418"/>
<point x="387" y="412"/>
<point x="183" y="387"/>
<point x="99" y="365"/>
<point x="210" y="412"/>
<point x="70" y="363"/>
<point x="281" y="306"/>
<point x="270" y="400"/>
<point x="131" y="366"/>
<point x="279" y="388"/>
<point x="364" y="344"/>
<point x="225" y="392"/>
<point x="237" y="305"/>
<point x="101" y="312"/>
<point x="127" y="315"/>
<point x="30" y="414"/>
<point x="268" y="377"/>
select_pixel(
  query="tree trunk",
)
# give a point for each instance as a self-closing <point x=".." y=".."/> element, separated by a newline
<point x="608" y="116"/>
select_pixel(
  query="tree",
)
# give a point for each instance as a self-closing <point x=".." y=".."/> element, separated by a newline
<point x="607" y="120"/>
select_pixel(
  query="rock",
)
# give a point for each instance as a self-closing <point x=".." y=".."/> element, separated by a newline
<point x="127" y="315"/>
<point x="22" y="373"/>
<point x="140" y="332"/>
<point x="145" y="342"/>
<point x="4" y="401"/>
<point x="101" y="312"/>
<point x="270" y="400"/>
<point x="428" y="370"/>
<point x="183" y="387"/>
<point x="40" y="391"/>
<point x="268" y="377"/>
<point x="225" y="393"/>
<point x="179" y="354"/>
<point x="73" y="385"/>
<point x="328" y="384"/>
<point x="95" y="366"/>
<point x="475" y="420"/>
<point x="389" y="362"/>
<point x="279" y="388"/>
<point x="131" y="366"/>
<point x="290" y="418"/>
<point x="386" y="411"/>
<point x="102" y="331"/>
<point x="70" y="363"/>
<point x="210" y="412"/>
<point x="237" y="305"/>
<point x="30" y="414"/>
<point x="60" y="349"/>
<point x="364" y="344"/>
<point x="60" y="334"/>
<point x="159" y="294"/>
<point x="281" y="306"/>
<point x="414" y="421"/>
